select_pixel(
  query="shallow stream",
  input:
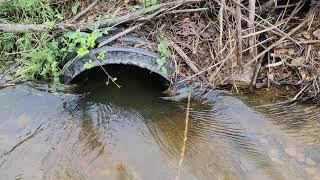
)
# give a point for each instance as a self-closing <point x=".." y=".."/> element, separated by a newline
<point x="104" y="132"/>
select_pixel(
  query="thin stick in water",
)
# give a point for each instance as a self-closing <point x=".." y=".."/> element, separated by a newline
<point x="183" y="149"/>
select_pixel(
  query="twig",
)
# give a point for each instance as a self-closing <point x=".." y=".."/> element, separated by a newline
<point x="20" y="28"/>
<point x="212" y="66"/>
<point x="184" y="57"/>
<point x="6" y="85"/>
<point x="280" y="32"/>
<point x="123" y="33"/>
<point x="263" y="30"/>
<point x="263" y="20"/>
<point x="294" y="12"/>
<point x="185" y="137"/>
<point x="39" y="129"/>
<point x="80" y="14"/>
<point x="299" y="93"/>
<point x="279" y="41"/>
<point x="252" y="39"/>
<point x="260" y="43"/>
<point x="104" y="70"/>
<point x="302" y="43"/>
<point x="187" y="10"/>
<point x="17" y="28"/>
<point x="212" y="78"/>
<point x="15" y="65"/>
<point x="221" y="11"/>
<point x="256" y="73"/>
<point x="239" y="33"/>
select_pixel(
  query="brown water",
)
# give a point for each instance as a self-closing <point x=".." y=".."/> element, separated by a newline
<point x="102" y="132"/>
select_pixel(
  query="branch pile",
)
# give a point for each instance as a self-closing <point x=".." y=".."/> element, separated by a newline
<point x="219" y="42"/>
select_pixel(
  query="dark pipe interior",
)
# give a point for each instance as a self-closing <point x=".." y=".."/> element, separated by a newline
<point x="125" y="74"/>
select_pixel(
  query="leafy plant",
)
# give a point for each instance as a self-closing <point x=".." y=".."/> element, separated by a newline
<point x="148" y="3"/>
<point x="75" y="8"/>
<point x="26" y="11"/>
<point x="37" y="53"/>
<point x="163" y="49"/>
<point x="81" y="42"/>
<point x="88" y="64"/>
<point x="101" y="55"/>
<point x="41" y="63"/>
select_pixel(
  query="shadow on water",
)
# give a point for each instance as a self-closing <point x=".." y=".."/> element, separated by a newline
<point x="104" y="132"/>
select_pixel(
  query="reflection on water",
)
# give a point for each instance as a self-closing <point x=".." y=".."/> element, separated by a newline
<point x="102" y="132"/>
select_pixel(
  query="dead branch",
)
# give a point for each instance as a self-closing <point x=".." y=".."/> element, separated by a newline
<point x="123" y="33"/>
<point x="251" y="26"/>
<point x="86" y="10"/>
<point x="185" y="57"/>
<point x="279" y="41"/>
<point x="62" y="27"/>
<point x="221" y="11"/>
<point x="239" y="32"/>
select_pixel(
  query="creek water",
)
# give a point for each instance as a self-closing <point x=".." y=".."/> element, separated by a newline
<point x="104" y="132"/>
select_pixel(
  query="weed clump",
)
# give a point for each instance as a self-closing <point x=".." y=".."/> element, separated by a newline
<point x="37" y="54"/>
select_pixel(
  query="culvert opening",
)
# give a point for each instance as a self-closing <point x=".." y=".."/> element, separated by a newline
<point x="129" y="77"/>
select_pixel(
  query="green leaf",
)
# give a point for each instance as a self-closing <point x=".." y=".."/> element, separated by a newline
<point x="164" y="70"/>
<point x="161" y="61"/>
<point x="88" y="64"/>
<point x="59" y="16"/>
<point x="50" y="24"/>
<point x="75" y="8"/>
<point x="102" y="55"/>
<point x="82" y="51"/>
<point x="154" y="2"/>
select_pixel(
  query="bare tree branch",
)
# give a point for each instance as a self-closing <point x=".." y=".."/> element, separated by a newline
<point x="137" y="15"/>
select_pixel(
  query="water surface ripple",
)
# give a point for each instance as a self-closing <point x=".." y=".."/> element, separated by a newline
<point x="102" y="132"/>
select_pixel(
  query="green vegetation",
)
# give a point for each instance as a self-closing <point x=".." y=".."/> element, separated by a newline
<point x="80" y="42"/>
<point x="41" y="63"/>
<point x="148" y="3"/>
<point x="39" y="54"/>
<point x="163" y="49"/>
<point x="75" y="8"/>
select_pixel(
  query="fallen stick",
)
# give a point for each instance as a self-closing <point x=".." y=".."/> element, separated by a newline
<point x="184" y="57"/>
<point x="86" y="10"/>
<point x="299" y="93"/>
<point x="251" y="25"/>
<point x="279" y="41"/>
<point x="239" y="33"/>
<point x="21" y="28"/>
<point x="123" y="33"/>
<point x="280" y="32"/>
<point x="221" y="20"/>
<point x="309" y="42"/>
<point x="6" y="85"/>
<point x="212" y="66"/>
<point x="267" y="22"/>
<point x="185" y="136"/>
<point x="187" y="10"/>
<point x="256" y="72"/>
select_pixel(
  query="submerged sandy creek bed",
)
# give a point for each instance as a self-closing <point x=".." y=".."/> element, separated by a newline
<point x="102" y="132"/>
